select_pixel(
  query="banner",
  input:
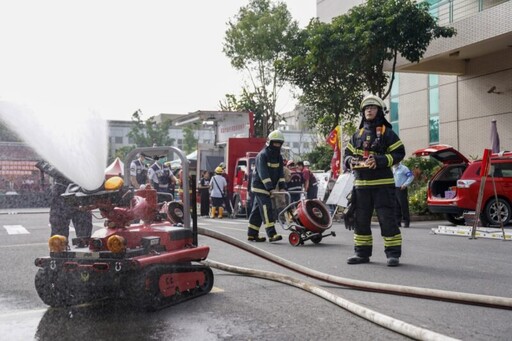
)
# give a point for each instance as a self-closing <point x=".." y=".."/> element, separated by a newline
<point x="334" y="140"/>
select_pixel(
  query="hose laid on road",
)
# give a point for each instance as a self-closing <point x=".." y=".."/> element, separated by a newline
<point x="385" y="321"/>
<point x="434" y="294"/>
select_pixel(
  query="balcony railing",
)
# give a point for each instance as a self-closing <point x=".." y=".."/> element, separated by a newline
<point x="449" y="11"/>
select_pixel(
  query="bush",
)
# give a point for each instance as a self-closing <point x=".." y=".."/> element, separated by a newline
<point x="423" y="169"/>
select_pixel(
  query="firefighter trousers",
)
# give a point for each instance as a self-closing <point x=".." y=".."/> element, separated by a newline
<point x="261" y="212"/>
<point x="382" y="200"/>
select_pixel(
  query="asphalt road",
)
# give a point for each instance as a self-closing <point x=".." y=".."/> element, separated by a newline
<point x="247" y="308"/>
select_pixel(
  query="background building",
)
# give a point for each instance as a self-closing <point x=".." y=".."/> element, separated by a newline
<point x="461" y="84"/>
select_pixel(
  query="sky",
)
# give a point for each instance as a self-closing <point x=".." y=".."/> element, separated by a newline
<point x="114" y="57"/>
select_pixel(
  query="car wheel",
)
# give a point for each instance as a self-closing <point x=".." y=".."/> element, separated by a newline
<point x="496" y="212"/>
<point x="457" y="219"/>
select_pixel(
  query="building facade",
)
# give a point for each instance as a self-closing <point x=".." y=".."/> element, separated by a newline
<point x="462" y="83"/>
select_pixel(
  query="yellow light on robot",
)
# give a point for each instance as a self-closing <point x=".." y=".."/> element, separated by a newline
<point x="116" y="244"/>
<point x="58" y="243"/>
<point x="114" y="183"/>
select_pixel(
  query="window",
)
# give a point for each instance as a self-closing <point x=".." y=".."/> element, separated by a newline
<point x="118" y="139"/>
<point x="433" y="109"/>
<point x="393" y="110"/>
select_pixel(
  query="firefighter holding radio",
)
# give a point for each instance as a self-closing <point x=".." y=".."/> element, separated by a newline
<point x="268" y="177"/>
<point x="371" y="153"/>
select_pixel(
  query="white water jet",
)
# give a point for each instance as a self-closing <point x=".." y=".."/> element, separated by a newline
<point x="74" y="140"/>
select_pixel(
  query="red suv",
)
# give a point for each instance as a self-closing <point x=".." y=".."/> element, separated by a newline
<point x="454" y="189"/>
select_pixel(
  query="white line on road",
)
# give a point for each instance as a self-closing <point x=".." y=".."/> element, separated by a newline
<point x="15" y="229"/>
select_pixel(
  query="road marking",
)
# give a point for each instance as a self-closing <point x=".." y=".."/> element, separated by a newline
<point x="15" y="229"/>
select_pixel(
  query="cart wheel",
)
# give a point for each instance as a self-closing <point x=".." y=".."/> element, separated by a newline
<point x="316" y="238"/>
<point x="294" y="239"/>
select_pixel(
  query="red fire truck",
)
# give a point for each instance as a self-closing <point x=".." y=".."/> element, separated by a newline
<point x="238" y="154"/>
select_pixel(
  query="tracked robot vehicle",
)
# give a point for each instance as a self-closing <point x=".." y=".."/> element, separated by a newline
<point x="151" y="264"/>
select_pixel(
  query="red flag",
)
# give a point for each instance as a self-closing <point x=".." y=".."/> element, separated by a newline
<point x="332" y="139"/>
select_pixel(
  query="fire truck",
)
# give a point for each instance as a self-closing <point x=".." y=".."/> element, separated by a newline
<point x="238" y="154"/>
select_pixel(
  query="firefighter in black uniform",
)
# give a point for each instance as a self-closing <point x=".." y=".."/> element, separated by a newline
<point x="268" y="177"/>
<point x="371" y="152"/>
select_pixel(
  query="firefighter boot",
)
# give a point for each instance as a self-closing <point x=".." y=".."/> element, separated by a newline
<point x="213" y="213"/>
<point x="221" y="212"/>
<point x="357" y="260"/>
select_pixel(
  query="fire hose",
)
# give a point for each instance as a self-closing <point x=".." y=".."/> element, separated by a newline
<point x="375" y="317"/>
<point x="434" y="294"/>
<point x="385" y="321"/>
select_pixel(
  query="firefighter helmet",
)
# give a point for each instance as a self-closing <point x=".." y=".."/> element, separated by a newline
<point x="218" y="170"/>
<point x="373" y="100"/>
<point x="276" y="136"/>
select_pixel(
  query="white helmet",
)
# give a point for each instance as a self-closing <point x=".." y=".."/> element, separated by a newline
<point x="276" y="136"/>
<point x="373" y="100"/>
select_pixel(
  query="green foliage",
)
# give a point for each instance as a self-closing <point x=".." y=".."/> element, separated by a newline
<point x="121" y="153"/>
<point x="320" y="157"/>
<point x="418" y="201"/>
<point x="320" y="63"/>
<point x="189" y="140"/>
<point x="423" y="169"/>
<point x="387" y="29"/>
<point x="149" y="133"/>
<point x="334" y="63"/>
<point x="256" y="39"/>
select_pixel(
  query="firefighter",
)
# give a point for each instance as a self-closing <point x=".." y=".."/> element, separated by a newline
<point x="295" y="182"/>
<point x="218" y="187"/>
<point x="371" y="153"/>
<point x="268" y="177"/>
<point x="138" y="171"/>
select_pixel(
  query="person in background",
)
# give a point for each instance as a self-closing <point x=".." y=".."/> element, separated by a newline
<point x="295" y="182"/>
<point x="268" y="177"/>
<point x="218" y="186"/>
<point x="227" y="194"/>
<point x="138" y="171"/>
<point x="310" y="181"/>
<point x="204" y="193"/>
<point x="371" y="152"/>
<point x="403" y="178"/>
<point x="160" y="176"/>
<point x="61" y="212"/>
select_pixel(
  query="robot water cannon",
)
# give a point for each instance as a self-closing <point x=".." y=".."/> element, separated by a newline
<point x="151" y="265"/>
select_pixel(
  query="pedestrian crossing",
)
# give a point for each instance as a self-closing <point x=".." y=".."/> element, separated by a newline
<point x="20" y="229"/>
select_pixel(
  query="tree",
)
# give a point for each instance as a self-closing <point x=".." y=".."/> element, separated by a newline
<point x="385" y="29"/>
<point x="320" y="63"/>
<point x="149" y="133"/>
<point x="189" y="140"/>
<point x="256" y="39"/>
<point x="334" y="63"/>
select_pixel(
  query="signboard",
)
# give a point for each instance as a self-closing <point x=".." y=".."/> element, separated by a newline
<point x="341" y="190"/>
<point x="233" y="126"/>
